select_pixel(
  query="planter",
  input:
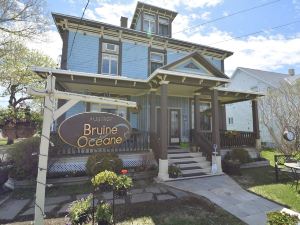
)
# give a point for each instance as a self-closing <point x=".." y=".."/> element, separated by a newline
<point x="105" y="188"/>
<point x="173" y="176"/>
<point x="103" y="222"/>
<point x="121" y="192"/>
<point x="83" y="219"/>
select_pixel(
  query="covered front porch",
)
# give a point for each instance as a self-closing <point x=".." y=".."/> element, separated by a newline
<point x="173" y="108"/>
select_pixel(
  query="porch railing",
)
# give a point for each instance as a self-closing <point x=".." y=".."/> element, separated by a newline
<point x="139" y="141"/>
<point x="237" y="139"/>
<point x="202" y="141"/>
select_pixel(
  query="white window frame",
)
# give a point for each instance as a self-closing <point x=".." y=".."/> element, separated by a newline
<point x="110" y="56"/>
<point x="149" y="21"/>
<point x="99" y="108"/>
<point x="157" y="53"/>
<point x="106" y="49"/>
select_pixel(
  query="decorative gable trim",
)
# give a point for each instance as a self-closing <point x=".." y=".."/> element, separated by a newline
<point x="201" y="60"/>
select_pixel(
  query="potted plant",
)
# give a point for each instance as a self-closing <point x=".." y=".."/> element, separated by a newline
<point x="104" y="214"/>
<point x="79" y="211"/>
<point x="122" y="184"/>
<point x="104" y="180"/>
<point x="174" y="171"/>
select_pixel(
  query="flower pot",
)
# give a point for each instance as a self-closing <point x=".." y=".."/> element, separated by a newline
<point x="103" y="222"/>
<point x="105" y="187"/>
<point x="83" y="218"/>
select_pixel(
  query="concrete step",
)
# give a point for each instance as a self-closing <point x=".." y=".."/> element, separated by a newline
<point x="187" y="165"/>
<point x="187" y="154"/>
<point x="179" y="151"/>
<point x="195" y="171"/>
<point x="183" y="160"/>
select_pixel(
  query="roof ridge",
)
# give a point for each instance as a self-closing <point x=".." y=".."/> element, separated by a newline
<point x="263" y="70"/>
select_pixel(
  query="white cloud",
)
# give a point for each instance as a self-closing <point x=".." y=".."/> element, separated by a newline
<point x="50" y="44"/>
<point x="205" y="16"/>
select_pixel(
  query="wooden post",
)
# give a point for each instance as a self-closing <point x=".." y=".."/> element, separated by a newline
<point x="215" y="119"/>
<point x="152" y="114"/>
<point x="163" y="159"/>
<point x="197" y="112"/>
<point x="43" y="154"/>
<point x="256" y="124"/>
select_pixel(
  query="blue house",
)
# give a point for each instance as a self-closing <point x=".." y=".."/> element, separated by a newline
<point x="178" y="86"/>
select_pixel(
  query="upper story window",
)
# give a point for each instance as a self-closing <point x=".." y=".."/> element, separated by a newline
<point x="110" y="59"/>
<point x="149" y="23"/>
<point x="163" y="26"/>
<point x="156" y="60"/>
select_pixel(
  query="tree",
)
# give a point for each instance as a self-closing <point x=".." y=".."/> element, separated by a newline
<point x="20" y="19"/>
<point x="280" y="110"/>
<point x="16" y="74"/>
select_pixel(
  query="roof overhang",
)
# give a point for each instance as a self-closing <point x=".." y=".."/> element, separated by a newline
<point x="179" y="84"/>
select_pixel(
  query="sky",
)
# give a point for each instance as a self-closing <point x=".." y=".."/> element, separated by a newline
<point x="261" y="37"/>
<point x="248" y="34"/>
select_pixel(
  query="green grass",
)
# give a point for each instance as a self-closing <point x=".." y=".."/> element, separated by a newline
<point x="262" y="182"/>
<point x="3" y="141"/>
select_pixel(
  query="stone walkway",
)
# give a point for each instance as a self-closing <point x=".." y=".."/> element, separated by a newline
<point x="226" y="193"/>
<point x="19" y="209"/>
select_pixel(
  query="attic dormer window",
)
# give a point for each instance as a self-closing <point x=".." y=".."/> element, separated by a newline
<point x="149" y="23"/>
<point x="163" y="26"/>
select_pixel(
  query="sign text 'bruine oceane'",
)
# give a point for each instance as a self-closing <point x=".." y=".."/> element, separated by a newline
<point x="94" y="130"/>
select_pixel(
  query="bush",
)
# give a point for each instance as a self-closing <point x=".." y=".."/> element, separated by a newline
<point x="22" y="155"/>
<point x="238" y="154"/>
<point x="123" y="182"/>
<point x="174" y="171"/>
<point x="278" y="218"/>
<point x="94" y="167"/>
<point x="231" y="167"/>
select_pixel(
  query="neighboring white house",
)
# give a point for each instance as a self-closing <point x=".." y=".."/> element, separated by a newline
<point x="238" y="115"/>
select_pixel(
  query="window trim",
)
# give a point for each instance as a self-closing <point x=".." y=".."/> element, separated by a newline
<point x="167" y="23"/>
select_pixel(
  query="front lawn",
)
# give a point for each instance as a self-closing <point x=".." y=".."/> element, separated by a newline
<point x="262" y="182"/>
<point x="187" y="211"/>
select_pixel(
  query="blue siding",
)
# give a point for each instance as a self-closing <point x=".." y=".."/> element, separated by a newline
<point x="174" y="56"/>
<point x="78" y="108"/>
<point x="84" y="57"/>
<point x="134" y="60"/>
<point x="216" y="62"/>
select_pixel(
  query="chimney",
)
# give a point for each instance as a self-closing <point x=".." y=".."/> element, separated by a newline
<point x="124" y="21"/>
<point x="291" y="72"/>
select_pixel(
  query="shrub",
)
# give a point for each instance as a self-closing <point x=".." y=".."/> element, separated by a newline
<point x="25" y="163"/>
<point x="104" y="214"/>
<point x="103" y="161"/>
<point x="174" y="171"/>
<point x="79" y="211"/>
<point x="231" y="167"/>
<point x="278" y="218"/>
<point x="238" y="154"/>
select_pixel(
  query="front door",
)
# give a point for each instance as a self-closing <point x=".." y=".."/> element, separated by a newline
<point x="174" y="126"/>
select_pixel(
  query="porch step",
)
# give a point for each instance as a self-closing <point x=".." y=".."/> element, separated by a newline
<point x="185" y="154"/>
<point x="195" y="171"/>
<point x="180" y="157"/>
<point x="190" y="168"/>
<point x="182" y="151"/>
<point x="188" y="165"/>
<point x="195" y="175"/>
<point x="182" y="160"/>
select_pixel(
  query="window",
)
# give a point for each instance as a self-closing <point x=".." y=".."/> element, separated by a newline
<point x="149" y="23"/>
<point x="156" y="60"/>
<point x="110" y="55"/>
<point x="205" y="116"/>
<point x="230" y="120"/>
<point x="110" y="64"/>
<point x="163" y="26"/>
<point x="120" y="111"/>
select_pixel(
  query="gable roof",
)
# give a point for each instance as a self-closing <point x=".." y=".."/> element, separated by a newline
<point x="272" y="78"/>
<point x="199" y="58"/>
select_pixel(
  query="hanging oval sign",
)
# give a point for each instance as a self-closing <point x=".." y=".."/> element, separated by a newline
<point x="94" y="130"/>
